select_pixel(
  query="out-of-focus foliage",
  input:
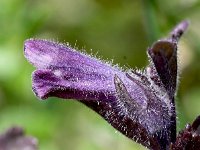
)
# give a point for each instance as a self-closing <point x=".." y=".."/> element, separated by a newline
<point x="120" y="30"/>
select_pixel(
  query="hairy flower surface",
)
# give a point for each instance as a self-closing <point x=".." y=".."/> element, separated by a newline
<point x="140" y="104"/>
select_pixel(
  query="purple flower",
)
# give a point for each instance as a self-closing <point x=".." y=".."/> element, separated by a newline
<point x="15" y="139"/>
<point x="140" y="104"/>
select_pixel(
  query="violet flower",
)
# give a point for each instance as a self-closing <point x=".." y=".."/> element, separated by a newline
<point x="15" y="139"/>
<point x="140" y="104"/>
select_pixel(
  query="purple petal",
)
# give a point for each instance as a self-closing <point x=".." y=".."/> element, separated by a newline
<point x="64" y="72"/>
<point x="45" y="54"/>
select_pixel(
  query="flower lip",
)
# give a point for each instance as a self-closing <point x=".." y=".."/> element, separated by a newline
<point x="35" y="53"/>
<point x="45" y="54"/>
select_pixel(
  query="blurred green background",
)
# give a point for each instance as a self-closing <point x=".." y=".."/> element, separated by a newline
<point x="120" y="30"/>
